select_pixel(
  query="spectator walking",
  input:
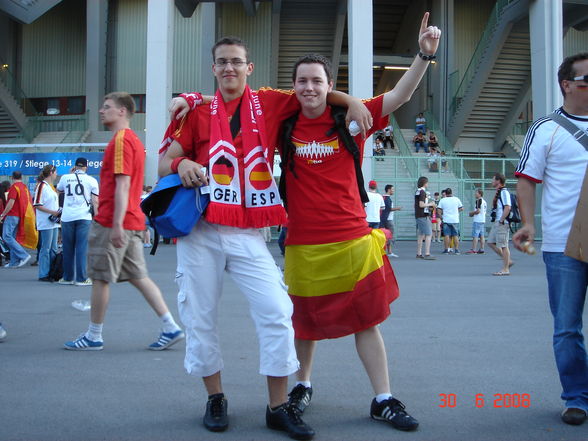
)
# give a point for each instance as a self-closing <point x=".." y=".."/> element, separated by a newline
<point x="387" y="217"/>
<point x="422" y="211"/>
<point x="436" y="220"/>
<point x="46" y="203"/>
<point x="4" y="186"/>
<point x="80" y="201"/>
<point x="478" y="223"/>
<point x="499" y="233"/>
<point x="553" y="156"/>
<point x="374" y="207"/>
<point x="116" y="236"/>
<point x="19" y="230"/>
<point x="449" y="207"/>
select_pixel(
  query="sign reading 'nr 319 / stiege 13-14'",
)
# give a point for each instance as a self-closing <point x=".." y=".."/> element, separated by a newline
<point x="32" y="163"/>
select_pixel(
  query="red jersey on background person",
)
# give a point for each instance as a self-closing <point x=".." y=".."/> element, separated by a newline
<point x="124" y="155"/>
<point x="19" y="229"/>
<point x="115" y="245"/>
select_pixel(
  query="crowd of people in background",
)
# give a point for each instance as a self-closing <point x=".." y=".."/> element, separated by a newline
<point x="438" y="220"/>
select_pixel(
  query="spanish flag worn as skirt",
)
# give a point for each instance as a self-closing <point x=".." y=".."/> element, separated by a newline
<point x="339" y="288"/>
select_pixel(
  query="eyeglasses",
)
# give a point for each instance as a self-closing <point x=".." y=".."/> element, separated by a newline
<point x="235" y="62"/>
<point x="580" y="78"/>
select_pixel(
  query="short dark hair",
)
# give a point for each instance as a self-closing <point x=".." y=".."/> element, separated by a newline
<point x="436" y="193"/>
<point x="230" y="41"/>
<point x="566" y="69"/>
<point x="448" y="191"/>
<point x="388" y="187"/>
<point x="500" y="177"/>
<point x="422" y="181"/>
<point x="16" y="175"/>
<point x="122" y="99"/>
<point x="312" y="59"/>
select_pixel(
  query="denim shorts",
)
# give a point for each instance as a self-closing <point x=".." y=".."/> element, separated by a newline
<point x="450" y="229"/>
<point x="478" y="229"/>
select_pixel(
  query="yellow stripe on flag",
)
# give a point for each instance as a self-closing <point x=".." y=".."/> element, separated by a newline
<point x="318" y="270"/>
<point x="222" y="179"/>
<point x="260" y="176"/>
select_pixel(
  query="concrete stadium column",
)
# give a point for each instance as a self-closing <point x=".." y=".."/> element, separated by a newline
<point x="207" y="16"/>
<point x="361" y="60"/>
<point x="96" y="27"/>
<point x="546" y="30"/>
<point x="160" y="25"/>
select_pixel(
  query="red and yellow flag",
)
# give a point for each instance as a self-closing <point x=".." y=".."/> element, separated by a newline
<point x="27" y="234"/>
<point x="339" y="288"/>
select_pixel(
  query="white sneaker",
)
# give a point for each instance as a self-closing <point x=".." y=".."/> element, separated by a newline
<point x="392" y="255"/>
<point x="62" y="281"/>
<point x="87" y="282"/>
<point x="24" y="261"/>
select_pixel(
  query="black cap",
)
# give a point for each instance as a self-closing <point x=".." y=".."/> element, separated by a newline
<point x="81" y="162"/>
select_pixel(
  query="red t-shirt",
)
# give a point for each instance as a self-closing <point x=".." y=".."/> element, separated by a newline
<point x="124" y="155"/>
<point x="13" y="194"/>
<point x="193" y="133"/>
<point x="324" y="205"/>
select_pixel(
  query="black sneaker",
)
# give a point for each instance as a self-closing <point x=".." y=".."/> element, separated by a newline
<point x="287" y="418"/>
<point x="573" y="416"/>
<point x="300" y="397"/>
<point x="392" y="411"/>
<point x="216" y="419"/>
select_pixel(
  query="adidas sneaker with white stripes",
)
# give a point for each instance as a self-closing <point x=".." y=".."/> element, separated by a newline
<point x="392" y="411"/>
<point x="166" y="340"/>
<point x="83" y="343"/>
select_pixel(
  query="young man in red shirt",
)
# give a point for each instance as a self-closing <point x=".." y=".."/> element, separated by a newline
<point x="336" y="269"/>
<point x="115" y="251"/>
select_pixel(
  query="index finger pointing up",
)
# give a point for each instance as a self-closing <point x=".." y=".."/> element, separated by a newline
<point x="425" y="22"/>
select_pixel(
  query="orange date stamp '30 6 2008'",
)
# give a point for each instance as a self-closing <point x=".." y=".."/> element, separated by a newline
<point x="499" y="400"/>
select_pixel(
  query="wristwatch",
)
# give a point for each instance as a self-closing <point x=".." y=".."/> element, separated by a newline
<point x="427" y="57"/>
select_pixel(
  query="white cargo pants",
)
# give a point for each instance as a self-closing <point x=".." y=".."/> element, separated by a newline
<point x="203" y="256"/>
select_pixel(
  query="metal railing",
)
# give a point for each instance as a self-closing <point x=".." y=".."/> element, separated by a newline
<point x="464" y="175"/>
<point x="9" y="80"/>
<point x="409" y="161"/>
<point x="434" y="126"/>
<point x="518" y="132"/>
<point x="478" y="53"/>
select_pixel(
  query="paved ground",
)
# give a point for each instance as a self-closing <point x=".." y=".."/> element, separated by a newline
<point x="454" y="330"/>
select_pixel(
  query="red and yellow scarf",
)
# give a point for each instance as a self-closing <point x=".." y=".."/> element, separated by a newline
<point x="260" y="205"/>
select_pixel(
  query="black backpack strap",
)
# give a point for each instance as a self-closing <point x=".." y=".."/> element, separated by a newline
<point x="338" y="114"/>
<point x="288" y="150"/>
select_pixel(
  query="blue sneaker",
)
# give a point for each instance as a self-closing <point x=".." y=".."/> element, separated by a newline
<point x="166" y="340"/>
<point x="82" y="343"/>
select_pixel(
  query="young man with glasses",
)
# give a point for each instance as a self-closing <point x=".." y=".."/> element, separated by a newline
<point x="552" y="156"/>
<point x="235" y="138"/>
